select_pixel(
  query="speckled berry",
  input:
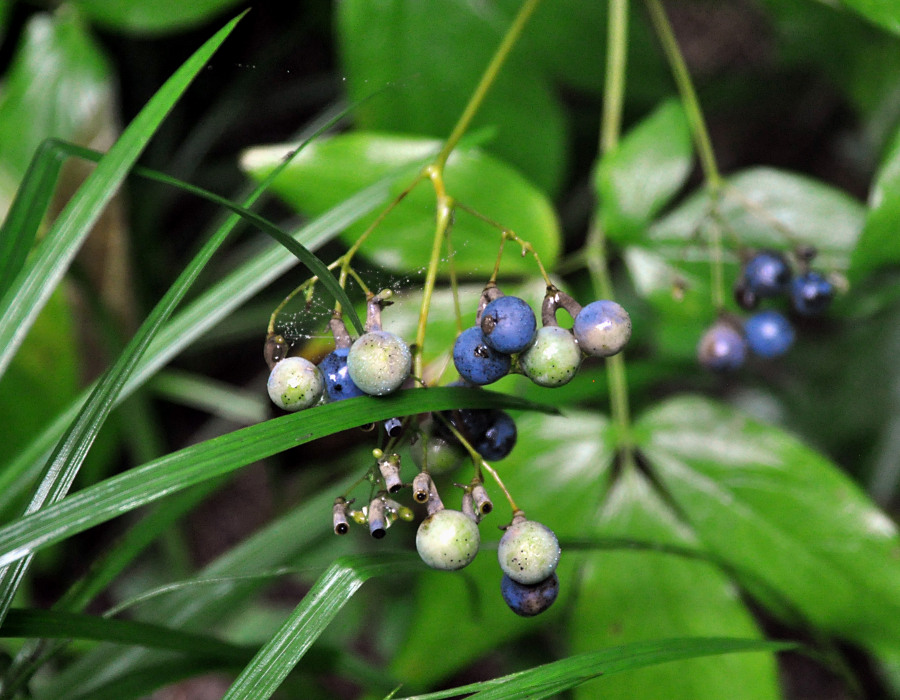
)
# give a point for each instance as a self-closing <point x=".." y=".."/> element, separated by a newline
<point x="769" y="334"/>
<point x="553" y="358"/>
<point x="448" y="540"/>
<point x="722" y="348"/>
<point x="767" y="274"/>
<point x="528" y="551"/>
<point x="476" y="361"/>
<point x="811" y="294"/>
<point x="295" y="383"/>
<point x="338" y="385"/>
<point x="508" y="324"/>
<point x="602" y="328"/>
<point x="498" y="438"/>
<point x="379" y="362"/>
<point x="532" y="600"/>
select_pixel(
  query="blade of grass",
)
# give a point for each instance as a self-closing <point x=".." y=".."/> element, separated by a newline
<point x="212" y="396"/>
<point x="262" y="676"/>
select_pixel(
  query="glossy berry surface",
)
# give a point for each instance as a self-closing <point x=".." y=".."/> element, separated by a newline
<point x="295" y="383"/>
<point x="476" y="361"/>
<point x="532" y="600"/>
<point x="499" y="436"/>
<point x="508" y="324"/>
<point x="553" y="358"/>
<point x="379" y="362"/>
<point x="811" y="294"/>
<point x="722" y="348"/>
<point x="602" y="328"/>
<point x="767" y="274"/>
<point x="338" y="384"/>
<point x="769" y="334"/>
<point x="528" y="552"/>
<point x="448" y="540"/>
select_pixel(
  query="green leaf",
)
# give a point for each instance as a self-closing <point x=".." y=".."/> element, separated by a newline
<point x="884" y="13"/>
<point x="878" y="245"/>
<point x="432" y="56"/>
<point x="648" y="167"/>
<point x="157" y="17"/>
<point x="638" y="595"/>
<point x="334" y="168"/>
<point x="766" y="504"/>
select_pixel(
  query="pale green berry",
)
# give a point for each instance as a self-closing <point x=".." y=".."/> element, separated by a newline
<point x="379" y="362"/>
<point x="553" y="358"/>
<point x="295" y="383"/>
<point x="448" y="540"/>
<point x="528" y="551"/>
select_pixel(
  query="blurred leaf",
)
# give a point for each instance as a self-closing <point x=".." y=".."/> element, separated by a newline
<point x="432" y="55"/>
<point x="157" y="17"/>
<point x="631" y="596"/>
<point x="884" y="13"/>
<point x="648" y="167"/>
<point x="764" y="503"/>
<point x="878" y="245"/>
<point x="332" y="169"/>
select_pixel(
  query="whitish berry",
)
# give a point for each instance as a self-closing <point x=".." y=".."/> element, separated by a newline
<point x="528" y="551"/>
<point x="448" y="540"/>
<point x="436" y="452"/>
<point x="508" y="324"/>
<point x="602" y="328"/>
<point x="476" y="361"/>
<point x="295" y="383"/>
<point x="532" y="600"/>
<point x="722" y="348"/>
<point x="379" y="362"/>
<point x="553" y="358"/>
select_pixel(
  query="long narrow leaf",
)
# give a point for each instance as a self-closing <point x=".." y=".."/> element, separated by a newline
<point x="138" y="487"/>
<point x="319" y="607"/>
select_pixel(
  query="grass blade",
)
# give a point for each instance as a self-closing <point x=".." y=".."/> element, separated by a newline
<point x="319" y="607"/>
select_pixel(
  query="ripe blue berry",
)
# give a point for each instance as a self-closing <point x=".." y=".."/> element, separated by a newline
<point x="532" y="600"/>
<point x="295" y="383"/>
<point x="498" y="438"/>
<point x="811" y="294"/>
<point x="379" y="362"/>
<point x="769" y="333"/>
<point x="508" y="324"/>
<point x="338" y="384"/>
<point x="553" y="358"/>
<point x="476" y="361"/>
<point x="602" y="328"/>
<point x="767" y="274"/>
<point x="448" y="540"/>
<point x="722" y="348"/>
<point x="528" y="552"/>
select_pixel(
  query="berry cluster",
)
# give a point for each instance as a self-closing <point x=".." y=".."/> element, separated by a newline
<point x="767" y="333"/>
<point x="505" y="337"/>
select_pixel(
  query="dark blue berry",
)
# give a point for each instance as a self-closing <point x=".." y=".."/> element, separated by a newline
<point x="476" y="361"/>
<point x="721" y="348"/>
<point x="745" y="297"/>
<point x="811" y="294"/>
<point x="499" y="438"/>
<point x="529" y="600"/>
<point x="767" y="274"/>
<point x="769" y="333"/>
<point x="508" y="324"/>
<point x="338" y="384"/>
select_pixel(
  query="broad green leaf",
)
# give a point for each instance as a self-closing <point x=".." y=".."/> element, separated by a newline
<point x="157" y="17"/>
<point x="433" y="56"/>
<point x="638" y="595"/>
<point x="884" y="13"/>
<point x="878" y="245"/>
<point x="333" y="169"/>
<point x="764" y="503"/>
<point x="647" y="168"/>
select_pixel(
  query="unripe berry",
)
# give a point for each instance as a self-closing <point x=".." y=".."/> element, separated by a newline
<point x="602" y="328"/>
<point x="528" y="552"/>
<point x="532" y="600"/>
<point x="722" y="348"/>
<point x="476" y="361"/>
<point x="553" y="358"/>
<point x="435" y="452"/>
<point x="508" y="324"/>
<point x="448" y="540"/>
<point x="295" y="383"/>
<point x="379" y="362"/>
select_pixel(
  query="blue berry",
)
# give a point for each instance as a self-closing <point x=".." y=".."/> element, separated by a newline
<point x="769" y="333"/>
<point x="508" y="324"/>
<point x="526" y="600"/>
<point x="602" y="328"/>
<point x="767" y="274"/>
<point x="476" y="361"/>
<point x="811" y="294"/>
<point x="338" y="384"/>
<point x="722" y="348"/>
<point x="295" y="383"/>
<point x="553" y="358"/>
<point x="745" y="297"/>
<point x="498" y="438"/>
<point x="379" y="362"/>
